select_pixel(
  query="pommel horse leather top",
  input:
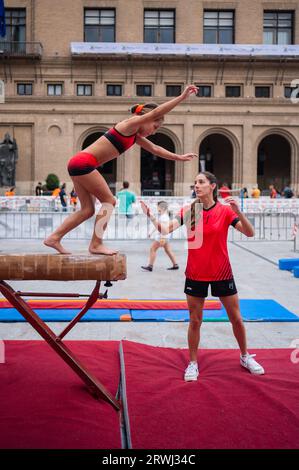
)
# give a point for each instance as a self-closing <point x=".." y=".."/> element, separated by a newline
<point x="37" y="266"/>
<point x="41" y="267"/>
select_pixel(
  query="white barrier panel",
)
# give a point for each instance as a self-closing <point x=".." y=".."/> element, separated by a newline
<point x="50" y="204"/>
<point x="30" y="225"/>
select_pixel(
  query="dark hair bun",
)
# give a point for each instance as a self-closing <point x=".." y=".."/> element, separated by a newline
<point x="133" y="108"/>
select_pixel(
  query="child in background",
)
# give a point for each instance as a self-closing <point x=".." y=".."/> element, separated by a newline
<point x="73" y="199"/>
<point x="161" y="240"/>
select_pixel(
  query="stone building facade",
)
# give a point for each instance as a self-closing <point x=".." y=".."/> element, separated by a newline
<point x="244" y="125"/>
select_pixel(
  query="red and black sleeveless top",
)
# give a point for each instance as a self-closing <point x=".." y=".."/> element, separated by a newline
<point x="121" y="142"/>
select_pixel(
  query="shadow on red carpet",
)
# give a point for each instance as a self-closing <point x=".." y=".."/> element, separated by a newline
<point x="227" y="408"/>
<point x="44" y="404"/>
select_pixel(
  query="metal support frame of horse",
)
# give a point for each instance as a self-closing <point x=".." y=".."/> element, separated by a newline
<point x="95" y="387"/>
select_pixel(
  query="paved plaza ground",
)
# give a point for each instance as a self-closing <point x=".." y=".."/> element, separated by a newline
<point x="256" y="273"/>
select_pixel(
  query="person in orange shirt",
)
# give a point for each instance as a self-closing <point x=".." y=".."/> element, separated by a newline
<point x="74" y="199"/>
<point x="255" y="193"/>
<point x="55" y="192"/>
<point x="11" y="192"/>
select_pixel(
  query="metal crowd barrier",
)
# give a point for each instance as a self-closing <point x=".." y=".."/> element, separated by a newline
<point x="269" y="226"/>
<point x="19" y="225"/>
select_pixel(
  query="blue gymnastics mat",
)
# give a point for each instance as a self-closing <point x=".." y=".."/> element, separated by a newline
<point x="12" y="315"/>
<point x="251" y="309"/>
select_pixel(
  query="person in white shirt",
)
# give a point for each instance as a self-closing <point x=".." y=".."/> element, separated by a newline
<point x="161" y="240"/>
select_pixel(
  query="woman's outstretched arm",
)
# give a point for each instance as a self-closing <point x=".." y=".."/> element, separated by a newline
<point x="132" y="124"/>
<point x="164" y="108"/>
<point x="162" y="152"/>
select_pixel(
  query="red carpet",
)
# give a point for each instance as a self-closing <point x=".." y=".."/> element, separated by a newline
<point x="227" y="408"/>
<point x="43" y="404"/>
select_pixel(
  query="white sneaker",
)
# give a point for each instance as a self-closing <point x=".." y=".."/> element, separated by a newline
<point x="249" y="363"/>
<point x="191" y="373"/>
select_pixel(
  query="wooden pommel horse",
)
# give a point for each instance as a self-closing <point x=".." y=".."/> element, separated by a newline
<point x="42" y="267"/>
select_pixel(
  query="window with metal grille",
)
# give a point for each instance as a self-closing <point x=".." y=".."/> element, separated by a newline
<point x="84" y="90"/>
<point x="99" y="25"/>
<point x="24" y="88"/>
<point x="114" y="90"/>
<point x="278" y="27"/>
<point x="144" y="90"/>
<point x="233" y="91"/>
<point x="219" y="27"/>
<point x="54" y="89"/>
<point x="159" y="26"/>
<point x="262" y="91"/>
<point x="173" y="90"/>
<point x="15" y="37"/>
<point x="204" y="91"/>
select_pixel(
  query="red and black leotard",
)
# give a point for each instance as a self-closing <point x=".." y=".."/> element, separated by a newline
<point x="120" y="141"/>
<point x="83" y="162"/>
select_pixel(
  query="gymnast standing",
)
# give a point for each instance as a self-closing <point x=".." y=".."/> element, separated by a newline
<point x="208" y="264"/>
<point x="90" y="185"/>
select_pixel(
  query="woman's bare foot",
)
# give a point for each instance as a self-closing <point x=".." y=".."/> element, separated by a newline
<point x="53" y="242"/>
<point x="101" y="250"/>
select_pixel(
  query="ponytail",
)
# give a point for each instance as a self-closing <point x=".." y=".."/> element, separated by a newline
<point x="140" y="109"/>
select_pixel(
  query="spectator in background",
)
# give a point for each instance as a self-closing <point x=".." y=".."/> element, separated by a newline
<point x="193" y="193"/>
<point x="287" y="192"/>
<point x="273" y="191"/>
<point x="244" y="193"/>
<point x="126" y="199"/>
<point x="55" y="192"/>
<point x="39" y="189"/>
<point x="255" y="193"/>
<point x="63" y="199"/>
<point x="224" y="191"/>
<point x="10" y="192"/>
<point x="73" y="199"/>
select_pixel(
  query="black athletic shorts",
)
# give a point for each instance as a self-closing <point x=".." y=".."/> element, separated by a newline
<point x="218" y="288"/>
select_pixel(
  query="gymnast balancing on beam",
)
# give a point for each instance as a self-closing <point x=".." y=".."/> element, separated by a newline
<point x="208" y="263"/>
<point x="90" y="185"/>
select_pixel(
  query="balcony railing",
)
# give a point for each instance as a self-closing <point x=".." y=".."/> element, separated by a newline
<point x="21" y="49"/>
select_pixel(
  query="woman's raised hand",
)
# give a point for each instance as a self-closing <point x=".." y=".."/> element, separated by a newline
<point x="233" y="204"/>
<point x="189" y="90"/>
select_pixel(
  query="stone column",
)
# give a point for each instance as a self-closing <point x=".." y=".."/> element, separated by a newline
<point x="249" y="157"/>
<point x="128" y="169"/>
<point x="295" y="163"/>
<point x="190" y="168"/>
